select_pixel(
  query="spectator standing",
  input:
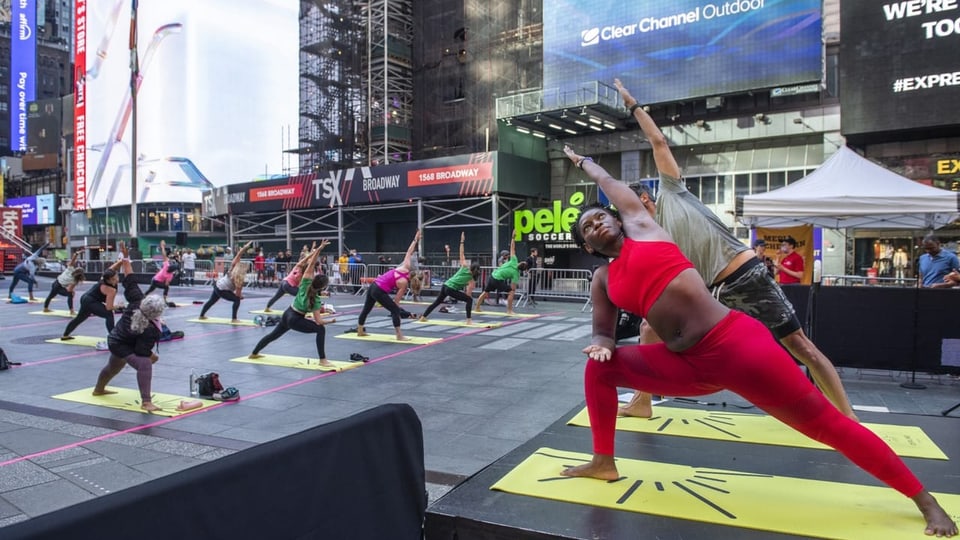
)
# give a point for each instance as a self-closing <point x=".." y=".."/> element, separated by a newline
<point x="790" y="266"/>
<point x="189" y="265"/>
<point x="936" y="264"/>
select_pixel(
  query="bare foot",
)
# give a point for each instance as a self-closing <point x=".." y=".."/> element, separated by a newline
<point x="422" y="319"/>
<point x="636" y="410"/>
<point x="402" y="338"/>
<point x="66" y="338"/>
<point x="255" y="356"/>
<point x="234" y="321"/>
<point x="103" y="392"/>
<point x="511" y="313"/>
<point x="47" y="310"/>
<point x="602" y="467"/>
<point x="640" y="406"/>
<point x="469" y="321"/>
<point x="326" y="363"/>
<point x="938" y="522"/>
<point x="361" y="332"/>
<point x="149" y="406"/>
<point x="477" y="309"/>
<point x="267" y="310"/>
<point x="73" y="313"/>
<point x="202" y="317"/>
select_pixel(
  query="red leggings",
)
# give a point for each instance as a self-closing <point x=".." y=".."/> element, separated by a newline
<point x="739" y="354"/>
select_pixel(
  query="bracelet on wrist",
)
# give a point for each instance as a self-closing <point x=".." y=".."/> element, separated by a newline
<point x="633" y="108"/>
<point x="581" y="160"/>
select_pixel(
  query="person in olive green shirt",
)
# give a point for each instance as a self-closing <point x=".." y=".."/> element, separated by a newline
<point x="504" y="279"/>
<point x="307" y="301"/>
<point x="454" y="287"/>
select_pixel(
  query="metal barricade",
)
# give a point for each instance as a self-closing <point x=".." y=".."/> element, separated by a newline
<point x="869" y="281"/>
<point x="348" y="278"/>
<point x="564" y="283"/>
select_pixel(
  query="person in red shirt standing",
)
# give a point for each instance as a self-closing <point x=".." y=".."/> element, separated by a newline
<point x="790" y="266"/>
<point x="260" y="266"/>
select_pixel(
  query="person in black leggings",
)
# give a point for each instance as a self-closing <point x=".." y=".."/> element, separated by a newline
<point x="230" y="285"/>
<point x="307" y="301"/>
<point x="65" y="283"/>
<point x="454" y="287"/>
<point x="97" y="301"/>
<point x="289" y="285"/>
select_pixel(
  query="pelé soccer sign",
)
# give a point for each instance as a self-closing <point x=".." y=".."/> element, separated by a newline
<point x="550" y="225"/>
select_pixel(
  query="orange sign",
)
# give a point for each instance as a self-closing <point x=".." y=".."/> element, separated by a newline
<point x="449" y="175"/>
<point x="271" y="193"/>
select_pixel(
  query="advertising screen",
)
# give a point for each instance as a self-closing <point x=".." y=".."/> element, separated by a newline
<point x="898" y="65"/>
<point x="671" y="50"/>
<point x="218" y="91"/>
<point x="23" y="69"/>
<point x="36" y="210"/>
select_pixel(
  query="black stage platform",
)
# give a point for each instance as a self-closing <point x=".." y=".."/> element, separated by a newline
<point x="472" y="511"/>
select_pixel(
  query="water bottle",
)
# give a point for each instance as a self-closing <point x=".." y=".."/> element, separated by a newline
<point x="193" y="384"/>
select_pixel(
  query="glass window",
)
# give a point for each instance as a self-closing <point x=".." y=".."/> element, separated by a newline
<point x="761" y="158"/>
<point x="741" y="185"/>
<point x="778" y="157"/>
<point x="708" y="190"/>
<point x="758" y="183"/>
<point x="793" y="176"/>
<point x="797" y="156"/>
<point x="777" y="180"/>
<point x="693" y="184"/>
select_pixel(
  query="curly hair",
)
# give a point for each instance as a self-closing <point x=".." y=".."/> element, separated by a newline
<point x="578" y="235"/>
<point x="151" y="309"/>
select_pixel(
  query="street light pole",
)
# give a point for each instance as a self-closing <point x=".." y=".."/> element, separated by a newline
<point x="134" y="80"/>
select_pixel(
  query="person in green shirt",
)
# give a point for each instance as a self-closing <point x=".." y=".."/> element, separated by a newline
<point x="467" y="275"/>
<point x="307" y="301"/>
<point x="504" y="279"/>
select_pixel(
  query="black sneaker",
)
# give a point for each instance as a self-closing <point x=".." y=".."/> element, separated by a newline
<point x="357" y="357"/>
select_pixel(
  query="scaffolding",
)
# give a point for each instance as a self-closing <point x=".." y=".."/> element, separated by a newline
<point x="331" y="98"/>
<point x="468" y="53"/>
<point x="388" y="80"/>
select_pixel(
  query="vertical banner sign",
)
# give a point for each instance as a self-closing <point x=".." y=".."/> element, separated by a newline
<point x="11" y="221"/>
<point x="23" y="69"/>
<point x="80" y="109"/>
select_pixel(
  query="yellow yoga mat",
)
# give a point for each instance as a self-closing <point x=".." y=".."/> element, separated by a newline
<point x="907" y="441"/>
<point x="222" y="320"/>
<point x="753" y="501"/>
<point x="297" y="362"/>
<point x="83" y="341"/>
<point x="504" y="314"/>
<point x="276" y="312"/>
<point x="412" y="303"/>
<point x="54" y="313"/>
<point x="389" y="338"/>
<point x="444" y="322"/>
<point x="128" y="399"/>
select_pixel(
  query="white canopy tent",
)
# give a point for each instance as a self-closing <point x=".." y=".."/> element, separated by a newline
<point x="849" y="191"/>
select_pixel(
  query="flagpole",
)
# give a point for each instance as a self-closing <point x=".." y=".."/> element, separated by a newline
<point x="134" y="78"/>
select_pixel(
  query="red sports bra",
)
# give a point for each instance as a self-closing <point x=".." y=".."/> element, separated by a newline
<point x="642" y="271"/>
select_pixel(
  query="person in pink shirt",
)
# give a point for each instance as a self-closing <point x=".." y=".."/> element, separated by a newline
<point x="162" y="279"/>
<point x="379" y="291"/>
<point x="290" y="284"/>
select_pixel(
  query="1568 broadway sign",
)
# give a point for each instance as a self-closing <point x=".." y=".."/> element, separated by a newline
<point x="549" y="224"/>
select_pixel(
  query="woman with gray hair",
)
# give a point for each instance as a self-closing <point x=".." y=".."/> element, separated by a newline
<point x="133" y="338"/>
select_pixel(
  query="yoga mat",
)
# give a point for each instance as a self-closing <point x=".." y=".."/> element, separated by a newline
<point x="83" y="341"/>
<point x="907" y="441"/>
<point x="54" y="313"/>
<point x="128" y="399"/>
<point x="279" y="313"/>
<point x="222" y="320"/>
<point x="34" y="301"/>
<point x="297" y="362"/>
<point x="504" y="314"/>
<point x="444" y="322"/>
<point x="389" y="338"/>
<point x="781" y="504"/>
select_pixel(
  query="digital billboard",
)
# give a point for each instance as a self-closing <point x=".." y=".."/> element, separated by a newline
<point x="672" y="50"/>
<point x="898" y="65"/>
<point x="23" y="69"/>
<point x="37" y="209"/>
<point x="218" y="91"/>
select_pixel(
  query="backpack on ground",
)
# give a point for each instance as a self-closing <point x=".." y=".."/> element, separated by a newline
<point x="5" y="362"/>
<point x="208" y="384"/>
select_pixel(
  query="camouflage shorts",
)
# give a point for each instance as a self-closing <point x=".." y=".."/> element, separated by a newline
<point x="755" y="293"/>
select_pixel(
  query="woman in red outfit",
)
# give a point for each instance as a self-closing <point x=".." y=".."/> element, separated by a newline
<point x="706" y="347"/>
